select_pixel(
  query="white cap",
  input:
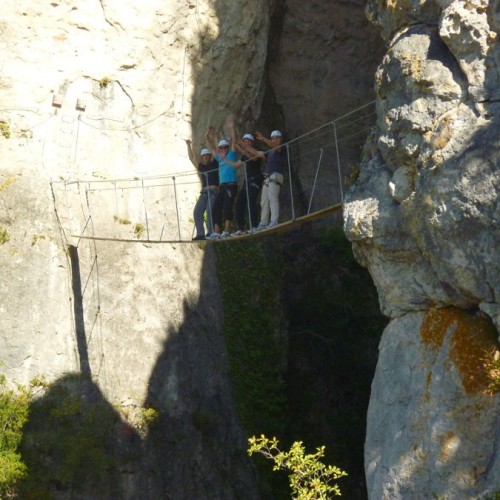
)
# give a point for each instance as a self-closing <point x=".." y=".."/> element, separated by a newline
<point x="249" y="136"/>
<point x="205" y="151"/>
<point x="276" y="133"/>
<point x="223" y="142"/>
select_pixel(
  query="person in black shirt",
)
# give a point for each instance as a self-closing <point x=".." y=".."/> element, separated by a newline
<point x="246" y="203"/>
<point x="208" y="170"/>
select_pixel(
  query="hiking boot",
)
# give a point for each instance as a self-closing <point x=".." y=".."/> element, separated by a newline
<point x="260" y="227"/>
<point x="273" y="224"/>
<point x="213" y="236"/>
<point x="199" y="237"/>
<point x="224" y="234"/>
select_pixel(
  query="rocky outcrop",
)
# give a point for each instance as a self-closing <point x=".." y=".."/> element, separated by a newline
<point x="108" y="90"/>
<point x="423" y="216"/>
<point x="96" y="101"/>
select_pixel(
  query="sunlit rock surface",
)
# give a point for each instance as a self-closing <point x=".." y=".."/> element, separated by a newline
<point x="424" y="217"/>
<point x="96" y="101"/>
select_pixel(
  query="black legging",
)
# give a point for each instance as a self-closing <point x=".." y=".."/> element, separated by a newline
<point x="242" y="205"/>
<point x="223" y="205"/>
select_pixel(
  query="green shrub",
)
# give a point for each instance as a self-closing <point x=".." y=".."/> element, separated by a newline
<point x="14" y="411"/>
<point x="70" y="441"/>
<point x="5" y="129"/>
<point x="256" y="344"/>
<point x="309" y="477"/>
<point x="491" y="363"/>
<point x="4" y="235"/>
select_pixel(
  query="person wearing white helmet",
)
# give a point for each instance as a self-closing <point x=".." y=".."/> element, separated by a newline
<point x="228" y="180"/>
<point x="246" y="203"/>
<point x="209" y="176"/>
<point x="276" y="161"/>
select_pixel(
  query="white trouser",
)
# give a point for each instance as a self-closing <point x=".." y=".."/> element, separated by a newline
<point x="269" y="201"/>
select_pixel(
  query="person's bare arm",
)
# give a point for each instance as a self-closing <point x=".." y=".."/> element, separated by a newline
<point x="211" y="139"/>
<point x="234" y="164"/>
<point x="251" y="152"/>
<point x="229" y="124"/>
<point x="263" y="139"/>
<point x="192" y="158"/>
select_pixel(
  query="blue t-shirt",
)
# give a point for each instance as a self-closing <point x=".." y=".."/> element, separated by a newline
<point x="227" y="173"/>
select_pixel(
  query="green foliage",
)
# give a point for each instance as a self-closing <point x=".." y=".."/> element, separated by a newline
<point x="36" y="238"/>
<point x="492" y="496"/>
<point x="6" y="183"/>
<point x="335" y="327"/>
<point x="491" y="363"/>
<point x="5" y="129"/>
<point x="69" y="441"/>
<point x="121" y="220"/>
<point x="302" y="325"/>
<point x="12" y="470"/>
<point x="14" y="412"/>
<point x="353" y="175"/>
<point x="104" y="82"/>
<point x="149" y="416"/>
<point x="4" y="235"/>
<point x="310" y="478"/>
<point x="253" y="330"/>
<point x="139" y="230"/>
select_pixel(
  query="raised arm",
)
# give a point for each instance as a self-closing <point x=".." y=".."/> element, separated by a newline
<point x="250" y="151"/>
<point x="263" y="139"/>
<point x="230" y="126"/>
<point x="234" y="138"/>
<point x="190" y="153"/>
<point x="211" y="140"/>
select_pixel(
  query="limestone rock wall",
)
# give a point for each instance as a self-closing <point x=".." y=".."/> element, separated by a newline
<point x="320" y="68"/>
<point x="98" y="92"/>
<point x="96" y="100"/>
<point x="423" y="216"/>
<point x="92" y="93"/>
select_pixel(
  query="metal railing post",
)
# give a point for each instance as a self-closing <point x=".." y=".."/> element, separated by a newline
<point x="209" y="198"/>
<point x="290" y="179"/>
<point x="338" y="162"/>
<point x="315" y="179"/>
<point x="177" y="210"/>
<point x="145" y="209"/>
<point x="248" y="199"/>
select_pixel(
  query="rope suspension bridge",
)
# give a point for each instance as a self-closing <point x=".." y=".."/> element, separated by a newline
<point x="159" y="209"/>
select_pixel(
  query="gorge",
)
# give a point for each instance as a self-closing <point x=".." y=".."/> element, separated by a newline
<point x="96" y="92"/>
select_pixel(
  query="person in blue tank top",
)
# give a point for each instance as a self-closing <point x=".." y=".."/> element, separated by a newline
<point x="228" y="181"/>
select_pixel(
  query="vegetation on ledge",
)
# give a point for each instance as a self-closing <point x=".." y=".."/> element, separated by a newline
<point x="302" y="325"/>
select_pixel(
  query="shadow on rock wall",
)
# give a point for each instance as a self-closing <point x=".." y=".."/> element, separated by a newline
<point x="197" y="449"/>
<point x="76" y="445"/>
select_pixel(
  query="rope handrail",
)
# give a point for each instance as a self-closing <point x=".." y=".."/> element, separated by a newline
<point x="155" y="208"/>
<point x="190" y="172"/>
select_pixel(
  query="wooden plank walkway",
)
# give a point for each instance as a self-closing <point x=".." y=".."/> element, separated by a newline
<point x="284" y="226"/>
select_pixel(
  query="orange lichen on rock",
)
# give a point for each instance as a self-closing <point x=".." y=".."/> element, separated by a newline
<point x="473" y="335"/>
<point x="435" y="325"/>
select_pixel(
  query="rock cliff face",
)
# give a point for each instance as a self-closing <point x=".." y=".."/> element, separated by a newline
<point x="108" y="90"/>
<point x="423" y="216"/>
<point x="95" y="102"/>
<point x="96" y="99"/>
